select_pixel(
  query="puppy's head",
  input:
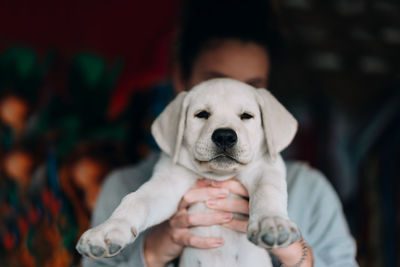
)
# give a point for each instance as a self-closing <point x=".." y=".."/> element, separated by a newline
<point x="221" y="125"/>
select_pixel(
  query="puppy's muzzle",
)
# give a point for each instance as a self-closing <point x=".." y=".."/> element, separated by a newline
<point x="224" y="138"/>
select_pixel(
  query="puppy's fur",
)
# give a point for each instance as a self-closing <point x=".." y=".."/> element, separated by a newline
<point x="254" y="128"/>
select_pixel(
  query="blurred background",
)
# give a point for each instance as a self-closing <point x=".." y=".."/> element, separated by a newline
<point x="81" y="81"/>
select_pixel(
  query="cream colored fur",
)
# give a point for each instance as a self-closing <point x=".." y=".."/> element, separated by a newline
<point x="188" y="153"/>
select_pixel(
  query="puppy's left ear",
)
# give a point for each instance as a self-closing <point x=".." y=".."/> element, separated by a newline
<point x="169" y="126"/>
<point x="279" y="125"/>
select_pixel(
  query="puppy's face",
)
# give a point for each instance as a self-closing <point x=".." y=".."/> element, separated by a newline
<point x="223" y="129"/>
<point x="221" y="126"/>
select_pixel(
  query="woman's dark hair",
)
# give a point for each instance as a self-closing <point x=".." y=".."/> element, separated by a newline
<point x="206" y="22"/>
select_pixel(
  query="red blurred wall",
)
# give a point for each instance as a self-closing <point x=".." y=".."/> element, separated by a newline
<point x="139" y="32"/>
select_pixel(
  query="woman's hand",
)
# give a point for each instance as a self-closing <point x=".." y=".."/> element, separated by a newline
<point x="166" y="241"/>
<point x="238" y="205"/>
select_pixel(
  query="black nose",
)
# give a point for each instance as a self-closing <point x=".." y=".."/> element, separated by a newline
<point x="224" y="138"/>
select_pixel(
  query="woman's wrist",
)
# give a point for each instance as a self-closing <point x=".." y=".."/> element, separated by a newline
<point x="158" y="247"/>
<point x="298" y="254"/>
<point x="150" y="257"/>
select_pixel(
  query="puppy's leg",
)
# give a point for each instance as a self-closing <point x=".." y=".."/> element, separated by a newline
<point x="269" y="225"/>
<point x="151" y="204"/>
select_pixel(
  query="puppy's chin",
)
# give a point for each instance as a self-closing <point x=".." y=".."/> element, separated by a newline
<point x="222" y="165"/>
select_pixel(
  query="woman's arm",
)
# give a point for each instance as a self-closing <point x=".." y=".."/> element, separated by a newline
<point x="315" y="207"/>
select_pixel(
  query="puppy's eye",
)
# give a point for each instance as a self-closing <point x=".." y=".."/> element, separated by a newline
<point x="203" y="114"/>
<point x="246" y="116"/>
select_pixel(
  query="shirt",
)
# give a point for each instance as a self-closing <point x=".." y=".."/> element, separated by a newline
<point x="312" y="204"/>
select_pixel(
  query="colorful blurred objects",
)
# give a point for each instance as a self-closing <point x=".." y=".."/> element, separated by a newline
<point x="65" y="97"/>
<point x="137" y="32"/>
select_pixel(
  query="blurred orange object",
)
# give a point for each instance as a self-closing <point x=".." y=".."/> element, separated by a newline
<point x="14" y="113"/>
<point x="18" y="166"/>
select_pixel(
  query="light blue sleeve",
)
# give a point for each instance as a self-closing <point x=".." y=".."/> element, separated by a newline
<point x="314" y="205"/>
<point x="115" y="187"/>
<point x="111" y="194"/>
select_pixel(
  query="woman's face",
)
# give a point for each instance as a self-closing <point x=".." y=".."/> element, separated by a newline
<point x="243" y="61"/>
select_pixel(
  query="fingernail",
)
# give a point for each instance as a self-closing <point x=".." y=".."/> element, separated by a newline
<point x="223" y="192"/>
<point x="216" y="183"/>
<point x="211" y="203"/>
<point x="206" y="181"/>
<point x="217" y="243"/>
<point x="227" y="217"/>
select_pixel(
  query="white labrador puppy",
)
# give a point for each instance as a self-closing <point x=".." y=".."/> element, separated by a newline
<point x="220" y="129"/>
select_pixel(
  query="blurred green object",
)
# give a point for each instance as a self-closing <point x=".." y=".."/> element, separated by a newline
<point x="91" y="68"/>
<point x="21" y="73"/>
<point x="23" y="60"/>
<point x="90" y="83"/>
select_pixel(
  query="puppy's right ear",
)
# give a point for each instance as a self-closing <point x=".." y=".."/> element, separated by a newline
<point x="169" y="126"/>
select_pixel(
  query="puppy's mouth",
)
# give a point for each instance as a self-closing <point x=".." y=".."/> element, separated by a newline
<point x="222" y="156"/>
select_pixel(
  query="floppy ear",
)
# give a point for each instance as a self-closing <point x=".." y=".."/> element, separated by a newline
<point x="279" y="125"/>
<point x="169" y="126"/>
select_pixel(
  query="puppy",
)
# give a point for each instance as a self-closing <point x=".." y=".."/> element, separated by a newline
<point x="220" y="129"/>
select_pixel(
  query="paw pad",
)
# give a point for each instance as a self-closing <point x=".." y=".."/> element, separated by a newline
<point x="114" y="248"/>
<point x="97" y="251"/>
<point x="273" y="232"/>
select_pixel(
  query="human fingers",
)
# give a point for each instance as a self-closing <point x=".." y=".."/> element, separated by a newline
<point x="239" y="205"/>
<point x="201" y="242"/>
<point x="184" y="237"/>
<point x="237" y="225"/>
<point x="201" y="194"/>
<point x="185" y="220"/>
<point x="202" y="182"/>
<point x="233" y="185"/>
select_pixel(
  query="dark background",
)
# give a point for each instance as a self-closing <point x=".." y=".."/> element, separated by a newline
<point x="94" y="74"/>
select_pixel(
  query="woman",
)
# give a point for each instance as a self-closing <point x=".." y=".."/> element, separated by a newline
<point x="237" y="46"/>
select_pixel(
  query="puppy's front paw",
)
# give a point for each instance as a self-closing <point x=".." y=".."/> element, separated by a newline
<point x="272" y="232"/>
<point x="107" y="239"/>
